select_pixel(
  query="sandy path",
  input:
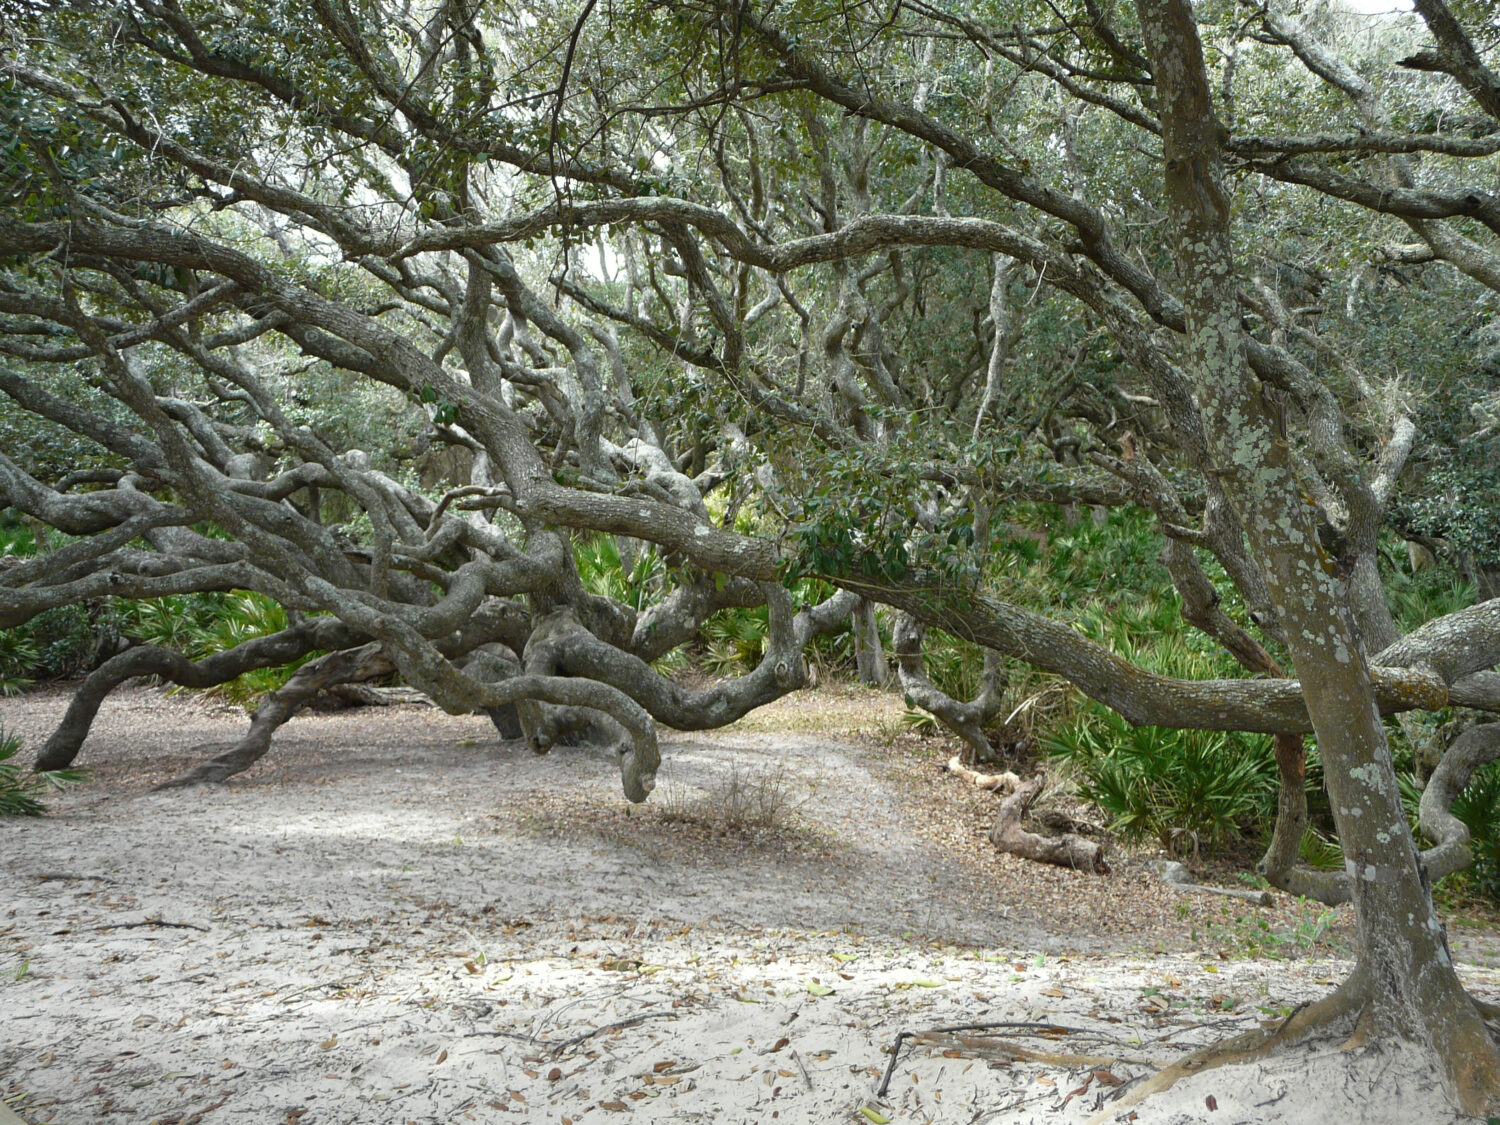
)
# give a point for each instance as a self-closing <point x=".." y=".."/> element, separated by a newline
<point x="399" y="918"/>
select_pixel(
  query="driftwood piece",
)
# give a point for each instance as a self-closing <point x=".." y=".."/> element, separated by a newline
<point x="1175" y="875"/>
<point x="1063" y="851"/>
<point x="1002" y="783"/>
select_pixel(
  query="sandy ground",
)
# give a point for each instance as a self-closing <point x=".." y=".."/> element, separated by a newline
<point x="398" y="918"/>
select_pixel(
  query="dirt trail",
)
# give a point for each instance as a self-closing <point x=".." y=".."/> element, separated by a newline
<point x="397" y="917"/>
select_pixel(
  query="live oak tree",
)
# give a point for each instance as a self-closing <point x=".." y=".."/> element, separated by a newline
<point x="797" y="301"/>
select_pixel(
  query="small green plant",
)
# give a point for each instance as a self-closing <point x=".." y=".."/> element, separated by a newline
<point x="734" y="640"/>
<point x="1478" y="806"/>
<point x="1187" y="788"/>
<point x="919" y="722"/>
<point x="19" y="788"/>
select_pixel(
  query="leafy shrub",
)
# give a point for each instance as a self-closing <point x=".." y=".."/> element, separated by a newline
<point x="199" y="625"/>
<point x="602" y="571"/>
<point x="1418" y="598"/>
<point x="55" y="643"/>
<point x="1184" y="787"/>
<point x="1478" y="806"/>
<point x="19" y="788"/>
<point x="735" y="640"/>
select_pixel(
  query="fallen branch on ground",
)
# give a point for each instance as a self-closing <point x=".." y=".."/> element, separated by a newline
<point x="153" y="922"/>
<point x="558" y="1047"/>
<point x="1062" y="851"/>
<point x="1006" y="782"/>
<point x="1175" y="875"/>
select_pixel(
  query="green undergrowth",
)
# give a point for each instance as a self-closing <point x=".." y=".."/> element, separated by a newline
<point x="21" y="790"/>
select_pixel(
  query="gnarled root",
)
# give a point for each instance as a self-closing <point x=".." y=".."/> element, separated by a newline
<point x="1343" y="1005"/>
<point x="150" y="660"/>
<point x="1464" y="1049"/>
<point x="966" y="720"/>
<point x="1062" y="851"/>
<point x="1002" y="783"/>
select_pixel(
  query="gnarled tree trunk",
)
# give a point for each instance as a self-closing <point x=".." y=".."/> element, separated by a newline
<point x="1404" y="981"/>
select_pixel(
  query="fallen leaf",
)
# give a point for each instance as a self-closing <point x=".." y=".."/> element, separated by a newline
<point x="1107" y="1078"/>
<point x="875" y="1116"/>
<point x="441" y="1057"/>
<point x="818" y="989"/>
<point x="616" y="1107"/>
<point x="554" y="1074"/>
<point x="780" y="1043"/>
<point x="330" y="1043"/>
<point x="665" y="1064"/>
<point x="1211" y="1102"/>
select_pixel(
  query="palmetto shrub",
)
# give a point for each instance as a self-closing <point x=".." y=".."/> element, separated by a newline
<point x="1478" y="806"/>
<point x="199" y="625"/>
<point x="19" y="788"/>
<point x="1186" y="788"/>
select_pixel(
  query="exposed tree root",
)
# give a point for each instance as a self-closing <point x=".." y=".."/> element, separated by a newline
<point x="1472" y="1078"/>
<point x="1344" y="1002"/>
<point x="1175" y="875"/>
<point x="1061" y="851"/>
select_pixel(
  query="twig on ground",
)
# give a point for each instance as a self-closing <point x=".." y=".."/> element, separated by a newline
<point x="558" y="1047"/>
<point x="1012" y="1025"/>
<point x="67" y="876"/>
<point x="153" y="922"/>
<point x="796" y="1058"/>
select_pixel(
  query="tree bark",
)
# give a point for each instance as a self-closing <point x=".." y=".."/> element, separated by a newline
<point x="281" y="705"/>
<point x="869" y="654"/>
<point x="1410" y="987"/>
